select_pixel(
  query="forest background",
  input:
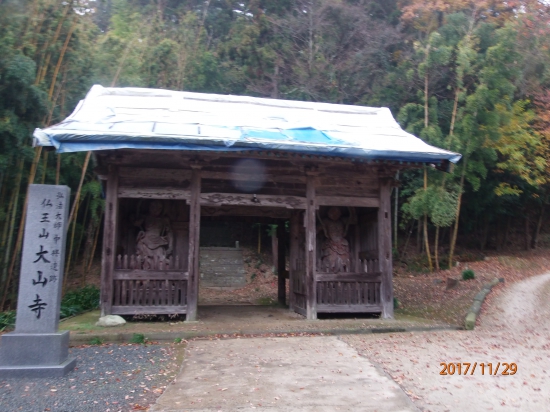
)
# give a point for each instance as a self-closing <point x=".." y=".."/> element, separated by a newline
<point x="469" y="76"/>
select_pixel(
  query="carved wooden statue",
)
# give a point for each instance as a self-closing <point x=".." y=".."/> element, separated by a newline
<point x="155" y="240"/>
<point x="335" y="255"/>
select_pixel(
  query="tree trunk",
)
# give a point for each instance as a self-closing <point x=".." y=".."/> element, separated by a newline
<point x="436" y="246"/>
<point x="538" y="226"/>
<point x="527" y="231"/>
<point x="426" y="240"/>
<point x="458" y="204"/>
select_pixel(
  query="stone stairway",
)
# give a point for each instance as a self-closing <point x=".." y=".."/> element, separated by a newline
<point x="221" y="267"/>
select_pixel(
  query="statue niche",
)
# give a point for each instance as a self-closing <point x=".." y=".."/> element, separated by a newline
<point x="154" y="241"/>
<point x="335" y="251"/>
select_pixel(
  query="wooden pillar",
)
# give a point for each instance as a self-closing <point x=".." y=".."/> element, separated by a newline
<point x="281" y="263"/>
<point x="109" y="241"/>
<point x="194" y="237"/>
<point x="384" y="248"/>
<point x="294" y="253"/>
<point x="311" y="234"/>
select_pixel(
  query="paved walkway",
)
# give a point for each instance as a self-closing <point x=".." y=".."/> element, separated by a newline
<point x="280" y="374"/>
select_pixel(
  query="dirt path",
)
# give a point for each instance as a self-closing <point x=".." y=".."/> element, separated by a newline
<point x="515" y="329"/>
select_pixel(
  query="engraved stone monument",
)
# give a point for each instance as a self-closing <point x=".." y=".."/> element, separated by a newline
<point x="36" y="348"/>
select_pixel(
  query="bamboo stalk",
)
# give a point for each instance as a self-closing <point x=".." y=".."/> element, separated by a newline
<point x="32" y="174"/>
<point x="8" y="219"/>
<point x="98" y="229"/>
<point x="54" y="101"/>
<point x="44" y="167"/>
<point x="69" y="254"/>
<point x="79" y="243"/>
<point x="58" y="169"/>
<point x="41" y="72"/>
<point x="79" y="190"/>
<point x="61" y="56"/>
<point x="10" y="227"/>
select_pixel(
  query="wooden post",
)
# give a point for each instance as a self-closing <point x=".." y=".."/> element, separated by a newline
<point x="281" y="263"/>
<point x="194" y="235"/>
<point x="311" y="234"/>
<point x="384" y="248"/>
<point x="109" y="241"/>
<point x="294" y="245"/>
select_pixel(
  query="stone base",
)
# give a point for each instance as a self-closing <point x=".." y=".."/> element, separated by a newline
<point x="38" y="371"/>
<point x="35" y="354"/>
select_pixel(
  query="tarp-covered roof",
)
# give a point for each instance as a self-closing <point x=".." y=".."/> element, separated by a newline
<point x="116" y="118"/>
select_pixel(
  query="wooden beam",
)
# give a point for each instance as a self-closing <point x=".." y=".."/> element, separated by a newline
<point x="348" y="277"/>
<point x="122" y="274"/>
<point x="347" y="201"/>
<point x="170" y="193"/>
<point x="248" y="211"/>
<point x="281" y="263"/>
<point x="237" y="199"/>
<point x="149" y="173"/>
<point x="384" y="248"/>
<point x="194" y="237"/>
<point x="294" y="253"/>
<point x="268" y="177"/>
<point x="149" y="310"/>
<point x="108" y="256"/>
<point x="311" y="233"/>
<point x="348" y="308"/>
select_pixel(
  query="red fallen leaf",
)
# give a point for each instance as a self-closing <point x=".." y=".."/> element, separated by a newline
<point x="138" y="407"/>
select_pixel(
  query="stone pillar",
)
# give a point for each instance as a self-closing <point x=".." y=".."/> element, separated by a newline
<point x="36" y="348"/>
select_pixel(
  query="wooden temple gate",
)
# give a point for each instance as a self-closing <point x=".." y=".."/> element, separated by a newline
<point x="292" y="188"/>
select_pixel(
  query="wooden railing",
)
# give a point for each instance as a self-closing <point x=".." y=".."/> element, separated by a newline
<point x="351" y="292"/>
<point x="161" y="290"/>
<point x="134" y="262"/>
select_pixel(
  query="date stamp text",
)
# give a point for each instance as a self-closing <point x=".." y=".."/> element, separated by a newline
<point x="483" y="368"/>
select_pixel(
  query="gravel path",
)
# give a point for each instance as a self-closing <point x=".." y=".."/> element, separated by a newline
<point x="515" y="329"/>
<point x="108" y="378"/>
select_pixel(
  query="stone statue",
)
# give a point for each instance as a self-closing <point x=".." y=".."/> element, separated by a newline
<point x="154" y="242"/>
<point x="335" y="256"/>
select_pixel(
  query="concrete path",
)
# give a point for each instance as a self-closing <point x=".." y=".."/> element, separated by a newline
<point x="280" y="374"/>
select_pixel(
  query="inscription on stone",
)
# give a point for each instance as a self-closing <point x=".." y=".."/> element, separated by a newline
<point x="36" y="348"/>
<point x="42" y="260"/>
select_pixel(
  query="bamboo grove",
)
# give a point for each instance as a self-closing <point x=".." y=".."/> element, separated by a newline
<point x="468" y="76"/>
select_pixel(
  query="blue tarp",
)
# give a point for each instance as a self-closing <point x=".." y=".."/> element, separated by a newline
<point x="122" y="118"/>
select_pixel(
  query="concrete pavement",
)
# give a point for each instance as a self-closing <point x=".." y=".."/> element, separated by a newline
<point x="319" y="373"/>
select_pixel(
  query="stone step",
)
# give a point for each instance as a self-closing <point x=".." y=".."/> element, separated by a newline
<point x="222" y="267"/>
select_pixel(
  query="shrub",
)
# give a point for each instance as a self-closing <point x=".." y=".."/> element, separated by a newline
<point x="78" y="301"/>
<point x="138" y="338"/>
<point x="395" y="303"/>
<point x="7" y="319"/>
<point x="96" y="341"/>
<point x="468" y="274"/>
